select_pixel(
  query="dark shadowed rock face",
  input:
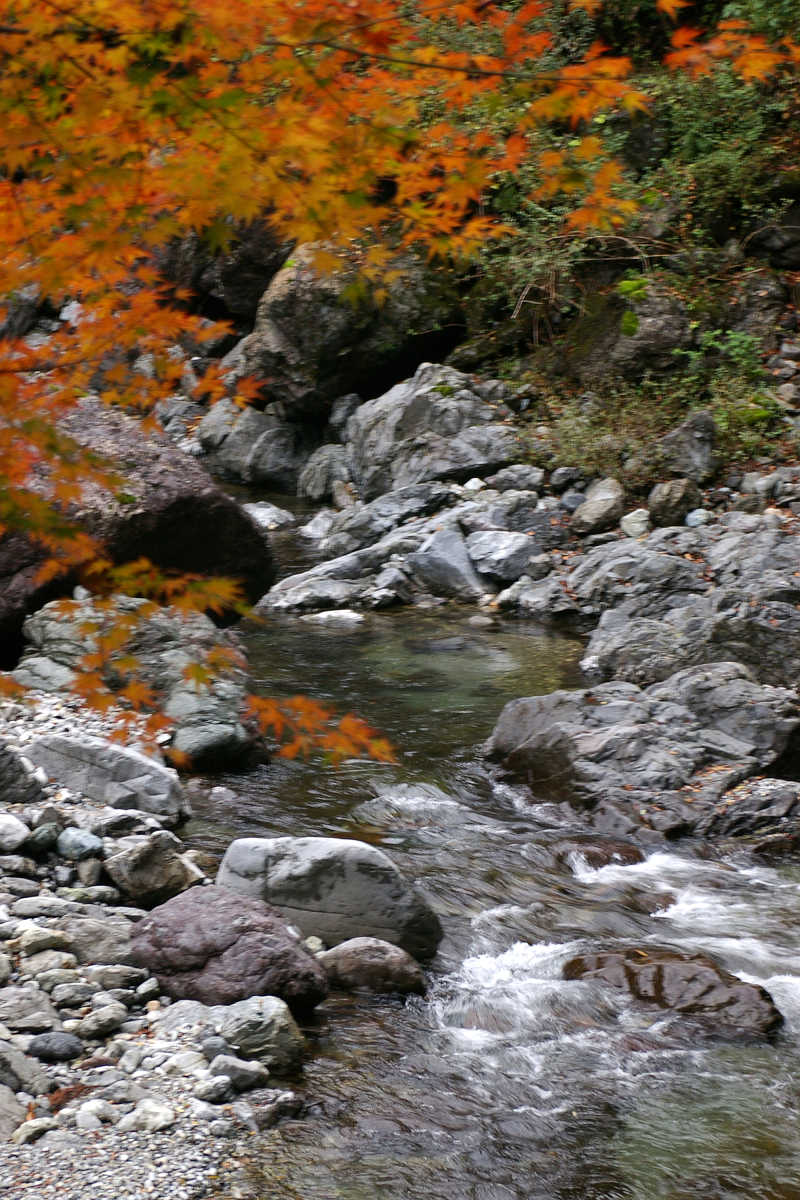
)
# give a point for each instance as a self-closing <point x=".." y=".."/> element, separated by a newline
<point x="689" y="985"/>
<point x="168" y="510"/>
<point x="211" y="945"/>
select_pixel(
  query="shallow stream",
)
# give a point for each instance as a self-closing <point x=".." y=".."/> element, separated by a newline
<point x="506" y="1082"/>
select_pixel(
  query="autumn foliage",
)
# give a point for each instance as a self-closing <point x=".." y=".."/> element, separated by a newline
<point x="128" y="123"/>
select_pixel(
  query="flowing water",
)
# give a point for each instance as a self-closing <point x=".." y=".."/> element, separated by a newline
<point x="507" y="1082"/>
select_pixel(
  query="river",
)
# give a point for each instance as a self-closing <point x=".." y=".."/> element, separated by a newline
<point x="507" y="1082"/>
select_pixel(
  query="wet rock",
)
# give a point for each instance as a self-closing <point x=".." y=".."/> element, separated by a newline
<point x="671" y="502"/>
<point x="691" y="986"/>
<point x="438" y="425"/>
<point x="112" y="774"/>
<point x="211" y="945"/>
<point x="370" y="963"/>
<point x="755" y="808"/>
<point x="662" y="757"/>
<point x="602" y="508"/>
<point x="334" y="888"/>
<point x="269" y="516"/>
<point x="265" y="1107"/>
<point x="597" y="852"/>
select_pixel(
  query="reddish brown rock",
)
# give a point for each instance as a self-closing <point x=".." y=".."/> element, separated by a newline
<point x="689" y="985"/>
<point x="211" y="945"/>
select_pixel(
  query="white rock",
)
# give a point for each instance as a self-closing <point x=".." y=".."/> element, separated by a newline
<point x="149" y="1115"/>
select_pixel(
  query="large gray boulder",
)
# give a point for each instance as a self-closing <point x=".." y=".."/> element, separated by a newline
<point x="688" y="450"/>
<point x="253" y="447"/>
<point x="364" y="524"/>
<point x="500" y="554"/>
<point x="443" y="566"/>
<point x="326" y="466"/>
<point x="333" y="888"/>
<point x="313" y="340"/>
<point x="662" y="757"/>
<point x="602" y="508"/>
<point x="438" y="425"/>
<point x="111" y="774"/>
<point x="211" y="945"/>
<point x="261" y="1027"/>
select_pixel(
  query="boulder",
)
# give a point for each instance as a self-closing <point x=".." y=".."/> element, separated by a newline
<point x="334" y="888"/>
<point x="663" y="757"/>
<point x="154" y="870"/>
<point x="688" y="450"/>
<point x="12" y="1113"/>
<point x="636" y="523"/>
<point x="26" y="1010"/>
<point x="111" y="774"/>
<point x="17" y="786"/>
<point x="232" y="278"/>
<point x="691" y="986"/>
<point x="326" y="466"/>
<point x="251" y="446"/>
<point x="370" y="963"/>
<point x="501" y="555"/>
<point x="262" y="1028"/>
<point x="96" y="941"/>
<point x="210" y="945"/>
<point x="169" y="511"/>
<point x="671" y="502"/>
<point x="442" y="565"/>
<point x="313" y="341"/>
<point x="602" y="508"/>
<point x="13" y="833"/>
<point x="438" y="425"/>
<point x="23" y="1072"/>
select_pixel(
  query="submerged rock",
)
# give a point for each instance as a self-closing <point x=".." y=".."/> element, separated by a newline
<point x="370" y="963"/>
<point x="691" y="986"/>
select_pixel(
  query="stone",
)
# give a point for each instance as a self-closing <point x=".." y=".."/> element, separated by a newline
<point x="12" y="1113"/>
<point x="688" y="450"/>
<point x="254" y="447"/>
<point x="5" y="968"/>
<point x="154" y="870"/>
<point x="636" y="524"/>
<point x="17" y="786"/>
<point x="217" y="947"/>
<point x="372" y="964"/>
<point x="78" y="844"/>
<point x="243" y="1074"/>
<point x="102" y="1021"/>
<point x="269" y="516"/>
<point x="31" y="1131"/>
<point x="662" y="757"/>
<point x="262" y="1028"/>
<point x="313" y="344"/>
<point x="101" y="941"/>
<point x="55" y="1047"/>
<point x="326" y="466"/>
<point x="364" y="524"/>
<point x="519" y="477"/>
<point x="34" y="938"/>
<point x="442" y="565"/>
<point x="692" y="986"/>
<point x="334" y="888"/>
<point x="170" y="512"/>
<point x="438" y="425"/>
<point x="602" y="508"/>
<point x="22" y="1072"/>
<point x="13" y="833"/>
<point x="502" y="555"/>
<point x="26" y="1010"/>
<point x="218" y="1089"/>
<point x="94" y="767"/>
<point x="150" y="1115"/>
<point x="671" y="502"/>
